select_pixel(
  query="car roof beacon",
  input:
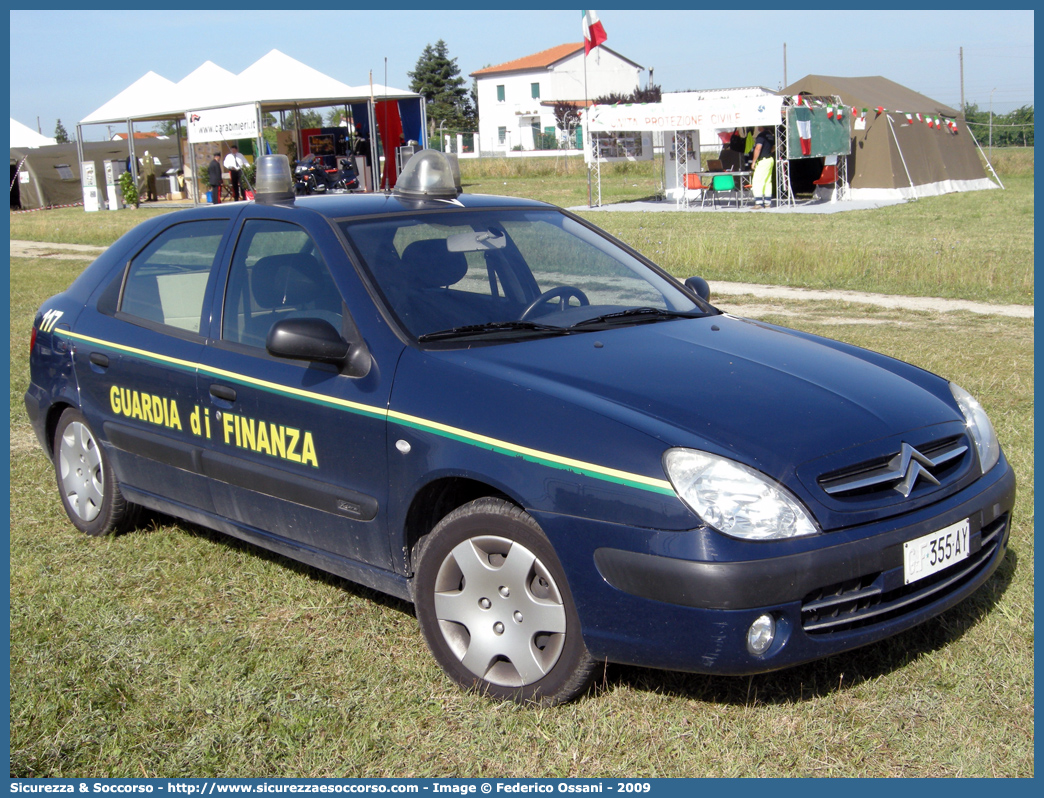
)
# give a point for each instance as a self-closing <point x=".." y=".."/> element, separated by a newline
<point x="272" y="182"/>
<point x="429" y="174"/>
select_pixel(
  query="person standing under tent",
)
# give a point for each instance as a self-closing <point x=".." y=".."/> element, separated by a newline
<point x="764" y="167"/>
<point x="214" y="178"/>
<point x="149" y="170"/>
<point x="234" y="163"/>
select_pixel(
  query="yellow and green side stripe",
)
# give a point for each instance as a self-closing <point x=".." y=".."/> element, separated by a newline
<point x="547" y="459"/>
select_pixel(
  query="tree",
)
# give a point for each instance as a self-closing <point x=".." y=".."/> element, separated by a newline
<point x="1014" y="129"/>
<point x="567" y="116"/>
<point x="169" y="127"/>
<point x="311" y="118"/>
<point x="60" y="136"/>
<point x="650" y="94"/>
<point x="437" y="78"/>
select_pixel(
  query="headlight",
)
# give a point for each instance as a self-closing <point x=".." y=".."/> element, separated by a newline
<point x="979" y="427"/>
<point x="735" y="499"/>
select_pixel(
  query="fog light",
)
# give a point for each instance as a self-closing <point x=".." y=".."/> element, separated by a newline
<point x="761" y="634"/>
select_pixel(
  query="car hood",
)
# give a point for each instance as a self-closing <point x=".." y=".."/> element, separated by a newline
<point x="764" y="395"/>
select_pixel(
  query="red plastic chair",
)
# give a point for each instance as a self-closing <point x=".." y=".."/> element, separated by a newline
<point x="693" y="183"/>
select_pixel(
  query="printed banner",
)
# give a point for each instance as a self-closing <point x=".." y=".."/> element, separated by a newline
<point x="222" y="124"/>
<point x="720" y="114"/>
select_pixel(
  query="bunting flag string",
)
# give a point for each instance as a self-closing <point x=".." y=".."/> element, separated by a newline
<point x="833" y="111"/>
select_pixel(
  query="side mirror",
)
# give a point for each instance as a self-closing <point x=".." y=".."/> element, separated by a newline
<point x="317" y="340"/>
<point x="700" y="287"/>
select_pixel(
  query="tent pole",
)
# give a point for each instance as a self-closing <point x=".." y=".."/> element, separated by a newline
<point x="194" y="173"/>
<point x="297" y="133"/>
<point x="375" y="158"/>
<point x="902" y="157"/>
<point x="992" y="171"/>
<point x="260" y="138"/>
<point x="79" y="155"/>
<point x="133" y="154"/>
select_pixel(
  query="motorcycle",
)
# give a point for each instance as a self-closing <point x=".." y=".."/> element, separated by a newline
<point x="312" y="177"/>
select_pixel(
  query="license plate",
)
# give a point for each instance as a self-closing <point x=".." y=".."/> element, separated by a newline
<point x="937" y="550"/>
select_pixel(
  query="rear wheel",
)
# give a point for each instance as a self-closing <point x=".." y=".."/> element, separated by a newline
<point x="495" y="608"/>
<point x="88" y="487"/>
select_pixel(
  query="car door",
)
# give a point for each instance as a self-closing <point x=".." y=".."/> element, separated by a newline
<point x="135" y="361"/>
<point x="296" y="449"/>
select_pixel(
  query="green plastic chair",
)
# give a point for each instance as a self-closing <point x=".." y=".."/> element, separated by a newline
<point x="721" y="183"/>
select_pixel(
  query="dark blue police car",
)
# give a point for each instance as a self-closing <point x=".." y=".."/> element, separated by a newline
<point x="489" y="407"/>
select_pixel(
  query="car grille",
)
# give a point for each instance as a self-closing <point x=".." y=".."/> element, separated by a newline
<point x="861" y="602"/>
<point x="926" y="466"/>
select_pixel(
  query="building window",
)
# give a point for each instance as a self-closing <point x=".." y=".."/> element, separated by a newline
<point x="534" y="89"/>
<point x="501" y="135"/>
<point x="500" y="93"/>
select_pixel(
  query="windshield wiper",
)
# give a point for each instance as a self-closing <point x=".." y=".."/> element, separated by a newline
<point x="636" y="315"/>
<point x="493" y="327"/>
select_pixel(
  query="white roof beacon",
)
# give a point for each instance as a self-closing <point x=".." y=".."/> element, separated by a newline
<point x="273" y="183"/>
<point x="429" y="174"/>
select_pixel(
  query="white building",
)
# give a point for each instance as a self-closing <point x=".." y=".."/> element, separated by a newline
<point x="516" y="99"/>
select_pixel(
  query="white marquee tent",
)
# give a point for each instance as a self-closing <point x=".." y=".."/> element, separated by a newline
<point x="23" y="136"/>
<point x="275" y="82"/>
<point x="681" y="116"/>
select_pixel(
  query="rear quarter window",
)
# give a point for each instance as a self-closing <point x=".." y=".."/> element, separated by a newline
<point x="167" y="281"/>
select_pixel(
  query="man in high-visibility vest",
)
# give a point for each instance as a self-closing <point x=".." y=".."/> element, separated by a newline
<point x="764" y="167"/>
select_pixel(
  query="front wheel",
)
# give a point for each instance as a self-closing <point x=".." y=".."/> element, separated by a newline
<point x="88" y="487"/>
<point x="495" y="608"/>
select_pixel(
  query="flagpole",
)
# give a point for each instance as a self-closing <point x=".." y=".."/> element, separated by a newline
<point x="587" y="128"/>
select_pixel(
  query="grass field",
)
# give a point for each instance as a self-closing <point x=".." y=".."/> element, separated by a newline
<point x="174" y="651"/>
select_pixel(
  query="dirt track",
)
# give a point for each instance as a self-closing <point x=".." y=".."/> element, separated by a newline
<point x="36" y="249"/>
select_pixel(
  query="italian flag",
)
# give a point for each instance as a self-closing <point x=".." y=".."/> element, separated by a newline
<point x="803" y="120"/>
<point x="594" y="33"/>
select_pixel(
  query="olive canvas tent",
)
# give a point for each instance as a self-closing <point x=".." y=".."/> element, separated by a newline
<point x="897" y="153"/>
<point x="49" y="177"/>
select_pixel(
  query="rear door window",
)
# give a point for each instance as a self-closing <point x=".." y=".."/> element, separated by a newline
<point x="166" y="282"/>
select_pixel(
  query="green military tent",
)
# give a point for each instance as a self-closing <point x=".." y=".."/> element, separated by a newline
<point x="45" y="177"/>
<point x="895" y="152"/>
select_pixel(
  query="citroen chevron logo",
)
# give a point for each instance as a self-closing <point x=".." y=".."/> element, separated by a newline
<point x="912" y="465"/>
<point x="901" y="473"/>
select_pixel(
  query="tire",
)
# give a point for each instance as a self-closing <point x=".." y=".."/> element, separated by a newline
<point x="495" y="609"/>
<point x="86" y="482"/>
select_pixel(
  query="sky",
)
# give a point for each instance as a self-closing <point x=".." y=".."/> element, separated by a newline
<point x="67" y="63"/>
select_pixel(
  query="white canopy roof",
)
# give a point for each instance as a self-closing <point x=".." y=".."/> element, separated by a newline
<point x="23" y="136"/>
<point x="144" y="98"/>
<point x="207" y="85"/>
<point x="275" y="80"/>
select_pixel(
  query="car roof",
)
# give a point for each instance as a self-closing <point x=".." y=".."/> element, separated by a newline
<point x="339" y="206"/>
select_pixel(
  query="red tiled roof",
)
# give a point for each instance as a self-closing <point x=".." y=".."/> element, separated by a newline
<point x="574" y="103"/>
<point x="542" y="59"/>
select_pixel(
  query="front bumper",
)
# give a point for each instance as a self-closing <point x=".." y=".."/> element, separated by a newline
<point x="663" y="605"/>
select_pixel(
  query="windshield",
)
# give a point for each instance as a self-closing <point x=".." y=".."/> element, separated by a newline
<point x="508" y="274"/>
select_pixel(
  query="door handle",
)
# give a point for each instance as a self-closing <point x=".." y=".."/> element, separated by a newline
<point x="98" y="359"/>
<point x="223" y="392"/>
